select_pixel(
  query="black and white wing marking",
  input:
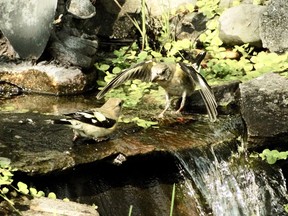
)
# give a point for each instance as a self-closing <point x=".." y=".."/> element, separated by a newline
<point x="197" y="61"/>
<point x="93" y="118"/>
<point x="140" y="71"/>
<point x="205" y="90"/>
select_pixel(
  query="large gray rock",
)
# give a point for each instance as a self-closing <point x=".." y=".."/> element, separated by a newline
<point x="240" y="24"/>
<point x="111" y="21"/>
<point x="156" y="8"/>
<point x="45" y="206"/>
<point x="83" y="9"/>
<point x="273" y="26"/>
<point x="264" y="107"/>
<point x="189" y="26"/>
<point x="74" y="50"/>
<point x="27" y="25"/>
<point x="47" y="79"/>
<point x="35" y="146"/>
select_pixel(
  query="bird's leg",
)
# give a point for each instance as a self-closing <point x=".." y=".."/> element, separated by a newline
<point x="184" y="94"/>
<point x="76" y="136"/>
<point x="167" y="105"/>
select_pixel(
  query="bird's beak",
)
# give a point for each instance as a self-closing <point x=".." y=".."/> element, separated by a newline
<point x="154" y="76"/>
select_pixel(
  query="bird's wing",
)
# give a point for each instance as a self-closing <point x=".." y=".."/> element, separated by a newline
<point x="93" y="118"/>
<point x="199" y="58"/>
<point x="140" y="71"/>
<point x="205" y="90"/>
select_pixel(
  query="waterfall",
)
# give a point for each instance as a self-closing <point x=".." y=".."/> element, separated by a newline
<point x="232" y="186"/>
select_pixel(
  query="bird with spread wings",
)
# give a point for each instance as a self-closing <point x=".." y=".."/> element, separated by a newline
<point x="177" y="79"/>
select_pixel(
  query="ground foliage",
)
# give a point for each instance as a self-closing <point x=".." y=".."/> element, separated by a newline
<point x="222" y="63"/>
<point x="11" y="190"/>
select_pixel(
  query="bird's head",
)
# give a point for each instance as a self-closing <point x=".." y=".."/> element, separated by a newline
<point x="113" y="107"/>
<point x="160" y="72"/>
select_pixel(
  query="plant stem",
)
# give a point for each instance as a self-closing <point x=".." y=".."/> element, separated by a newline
<point x="130" y="210"/>
<point x="172" y="200"/>
<point x="141" y="29"/>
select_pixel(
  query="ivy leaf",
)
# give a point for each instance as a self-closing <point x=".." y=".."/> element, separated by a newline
<point x="103" y="67"/>
<point x="4" y="162"/>
<point x="116" y="70"/>
<point x="23" y="188"/>
<point x="4" y="190"/>
<point x="156" y="54"/>
<point x="52" y="195"/>
<point x="33" y="191"/>
<point x="40" y="194"/>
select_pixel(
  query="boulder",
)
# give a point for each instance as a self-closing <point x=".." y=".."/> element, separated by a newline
<point x="189" y="26"/>
<point x="27" y="25"/>
<point x="47" y="79"/>
<point x="240" y="24"/>
<point x="35" y="146"/>
<point x="73" y="50"/>
<point x="116" y="24"/>
<point x="83" y="9"/>
<point x="273" y="26"/>
<point x="227" y="97"/>
<point x="264" y="108"/>
<point x="45" y="206"/>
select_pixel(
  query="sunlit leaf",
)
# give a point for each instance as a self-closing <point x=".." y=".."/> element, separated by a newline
<point x="52" y="195"/>
<point x="4" y="190"/>
<point x="33" y="191"/>
<point x="23" y="188"/>
<point x="4" y="162"/>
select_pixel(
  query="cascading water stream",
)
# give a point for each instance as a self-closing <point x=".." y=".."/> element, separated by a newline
<point x="232" y="186"/>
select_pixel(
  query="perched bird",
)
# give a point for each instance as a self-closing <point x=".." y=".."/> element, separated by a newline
<point x="96" y="123"/>
<point x="177" y="80"/>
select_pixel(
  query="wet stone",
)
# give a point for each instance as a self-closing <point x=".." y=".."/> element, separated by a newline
<point x="37" y="147"/>
<point x="264" y="107"/>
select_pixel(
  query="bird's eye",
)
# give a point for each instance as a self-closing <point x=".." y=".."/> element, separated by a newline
<point x="163" y="71"/>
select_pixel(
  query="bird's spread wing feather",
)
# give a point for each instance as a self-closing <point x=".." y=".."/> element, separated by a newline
<point x="199" y="58"/>
<point x="140" y="71"/>
<point x="205" y="90"/>
<point x="93" y="118"/>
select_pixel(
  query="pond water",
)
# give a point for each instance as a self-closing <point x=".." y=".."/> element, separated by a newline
<point x="207" y="182"/>
<point x="210" y="180"/>
<point x="238" y="186"/>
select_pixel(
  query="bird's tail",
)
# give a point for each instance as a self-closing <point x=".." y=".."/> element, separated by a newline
<point x="205" y="90"/>
<point x="208" y="98"/>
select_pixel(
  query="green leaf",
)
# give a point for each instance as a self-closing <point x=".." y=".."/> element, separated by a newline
<point x="142" y="55"/>
<point x="66" y="199"/>
<point x="116" y="70"/>
<point x="40" y="194"/>
<point x="286" y="207"/>
<point x="6" y="173"/>
<point x="33" y="191"/>
<point x="156" y="54"/>
<point x="23" y="188"/>
<point x="272" y="156"/>
<point x="103" y="67"/>
<point x="52" y="195"/>
<point x="4" y="190"/>
<point x="168" y="46"/>
<point x="4" y="162"/>
<point x="271" y="159"/>
<point x="144" y="123"/>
